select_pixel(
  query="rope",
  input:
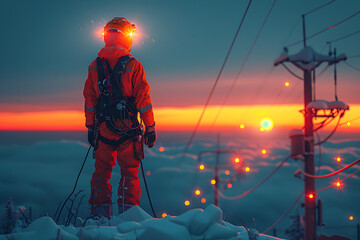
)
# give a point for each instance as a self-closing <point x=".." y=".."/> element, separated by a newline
<point x="256" y="186"/>
<point x="147" y="189"/>
<point x="214" y="86"/>
<point x="76" y="182"/>
<point x="242" y="66"/>
<point x="284" y="215"/>
<point x="330" y="174"/>
<point x="328" y="28"/>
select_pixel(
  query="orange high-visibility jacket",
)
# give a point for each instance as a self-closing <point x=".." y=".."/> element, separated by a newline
<point x="134" y="84"/>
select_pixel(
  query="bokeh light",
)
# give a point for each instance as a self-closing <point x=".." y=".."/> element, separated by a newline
<point x="351" y="218"/>
<point x="164" y="215"/>
<point x="267" y="124"/>
<point x="237" y="160"/>
<point x="287" y="84"/>
<point x="212" y="181"/>
<point x="242" y="126"/>
<point x="247" y="169"/>
<point x="187" y="203"/>
<point x="148" y="173"/>
<point x="197" y="192"/>
<point x="161" y="149"/>
<point x="229" y="185"/>
<point x="227" y="172"/>
<point x="263" y="151"/>
<point x="203" y="200"/>
<point x="201" y="167"/>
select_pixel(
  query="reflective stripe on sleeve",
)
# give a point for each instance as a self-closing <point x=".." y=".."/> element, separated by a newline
<point x="128" y="69"/>
<point x="90" y="109"/>
<point x="144" y="109"/>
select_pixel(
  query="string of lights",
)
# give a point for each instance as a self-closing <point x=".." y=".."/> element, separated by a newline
<point x="330" y="174"/>
<point x="215" y="84"/>
<point x="340" y="181"/>
<point x="243" y="65"/>
<point x="257" y="185"/>
<point x="320" y="7"/>
<point x="284" y="214"/>
<point x="325" y="29"/>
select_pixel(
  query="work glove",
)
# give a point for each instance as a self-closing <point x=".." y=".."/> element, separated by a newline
<point x="150" y="136"/>
<point x="91" y="135"/>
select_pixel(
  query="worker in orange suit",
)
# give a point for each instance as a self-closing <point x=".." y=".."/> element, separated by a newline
<point x="115" y="92"/>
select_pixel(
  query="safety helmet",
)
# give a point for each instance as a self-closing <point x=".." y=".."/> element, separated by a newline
<point x="121" y="25"/>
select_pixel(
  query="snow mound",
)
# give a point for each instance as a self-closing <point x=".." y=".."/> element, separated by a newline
<point x="135" y="223"/>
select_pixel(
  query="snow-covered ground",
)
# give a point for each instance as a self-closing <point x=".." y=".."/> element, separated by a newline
<point x="137" y="224"/>
<point x="42" y="174"/>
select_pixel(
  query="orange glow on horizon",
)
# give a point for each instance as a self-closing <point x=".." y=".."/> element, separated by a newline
<point x="174" y="119"/>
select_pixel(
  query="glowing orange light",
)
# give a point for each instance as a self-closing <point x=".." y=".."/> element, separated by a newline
<point x="338" y="184"/>
<point x="242" y="126"/>
<point x="161" y="149"/>
<point x="148" y="173"/>
<point x="311" y="196"/>
<point x="237" y="160"/>
<point x="287" y="84"/>
<point x="227" y="172"/>
<point x="247" y="169"/>
<point x="348" y="124"/>
<point x="201" y="167"/>
<point x="187" y="203"/>
<point x="131" y="34"/>
<point x="164" y="215"/>
<point x="263" y="151"/>
<point x="203" y="200"/>
<point x="197" y="192"/>
<point x="212" y="181"/>
<point x="351" y="218"/>
<point x="338" y="159"/>
<point x="229" y="185"/>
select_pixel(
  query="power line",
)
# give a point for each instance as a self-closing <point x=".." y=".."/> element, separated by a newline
<point x="352" y="120"/>
<point x="354" y="56"/>
<point x="284" y="215"/>
<point x="353" y="67"/>
<point x="338" y="39"/>
<point x="330" y="186"/>
<point x="243" y="64"/>
<point x="216" y="82"/>
<point x="325" y="29"/>
<point x="318" y="8"/>
<point x="330" y="174"/>
<point x="292" y="73"/>
<point x="257" y="185"/>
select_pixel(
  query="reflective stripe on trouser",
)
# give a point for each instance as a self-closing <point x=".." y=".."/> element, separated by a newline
<point x="105" y="160"/>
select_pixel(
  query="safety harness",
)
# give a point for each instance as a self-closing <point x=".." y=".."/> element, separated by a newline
<point x="113" y="105"/>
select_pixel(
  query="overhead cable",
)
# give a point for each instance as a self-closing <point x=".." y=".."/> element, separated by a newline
<point x="341" y="38"/>
<point x="257" y="185"/>
<point x="352" y="120"/>
<point x="284" y="215"/>
<point x="243" y="64"/>
<point x="330" y="174"/>
<point x="291" y="72"/>
<point x="353" y="67"/>
<point x="318" y="8"/>
<point x="215" y="84"/>
<point x="325" y="29"/>
<point x="330" y="186"/>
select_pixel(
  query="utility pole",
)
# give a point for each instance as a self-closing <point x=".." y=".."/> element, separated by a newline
<point x="238" y="167"/>
<point x="308" y="60"/>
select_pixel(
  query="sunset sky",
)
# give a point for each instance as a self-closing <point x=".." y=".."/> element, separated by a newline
<point x="47" y="46"/>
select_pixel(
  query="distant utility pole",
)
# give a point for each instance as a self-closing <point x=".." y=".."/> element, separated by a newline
<point x="308" y="60"/>
<point x="217" y="167"/>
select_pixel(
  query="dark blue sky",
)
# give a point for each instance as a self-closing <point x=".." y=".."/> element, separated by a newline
<point x="46" y="47"/>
